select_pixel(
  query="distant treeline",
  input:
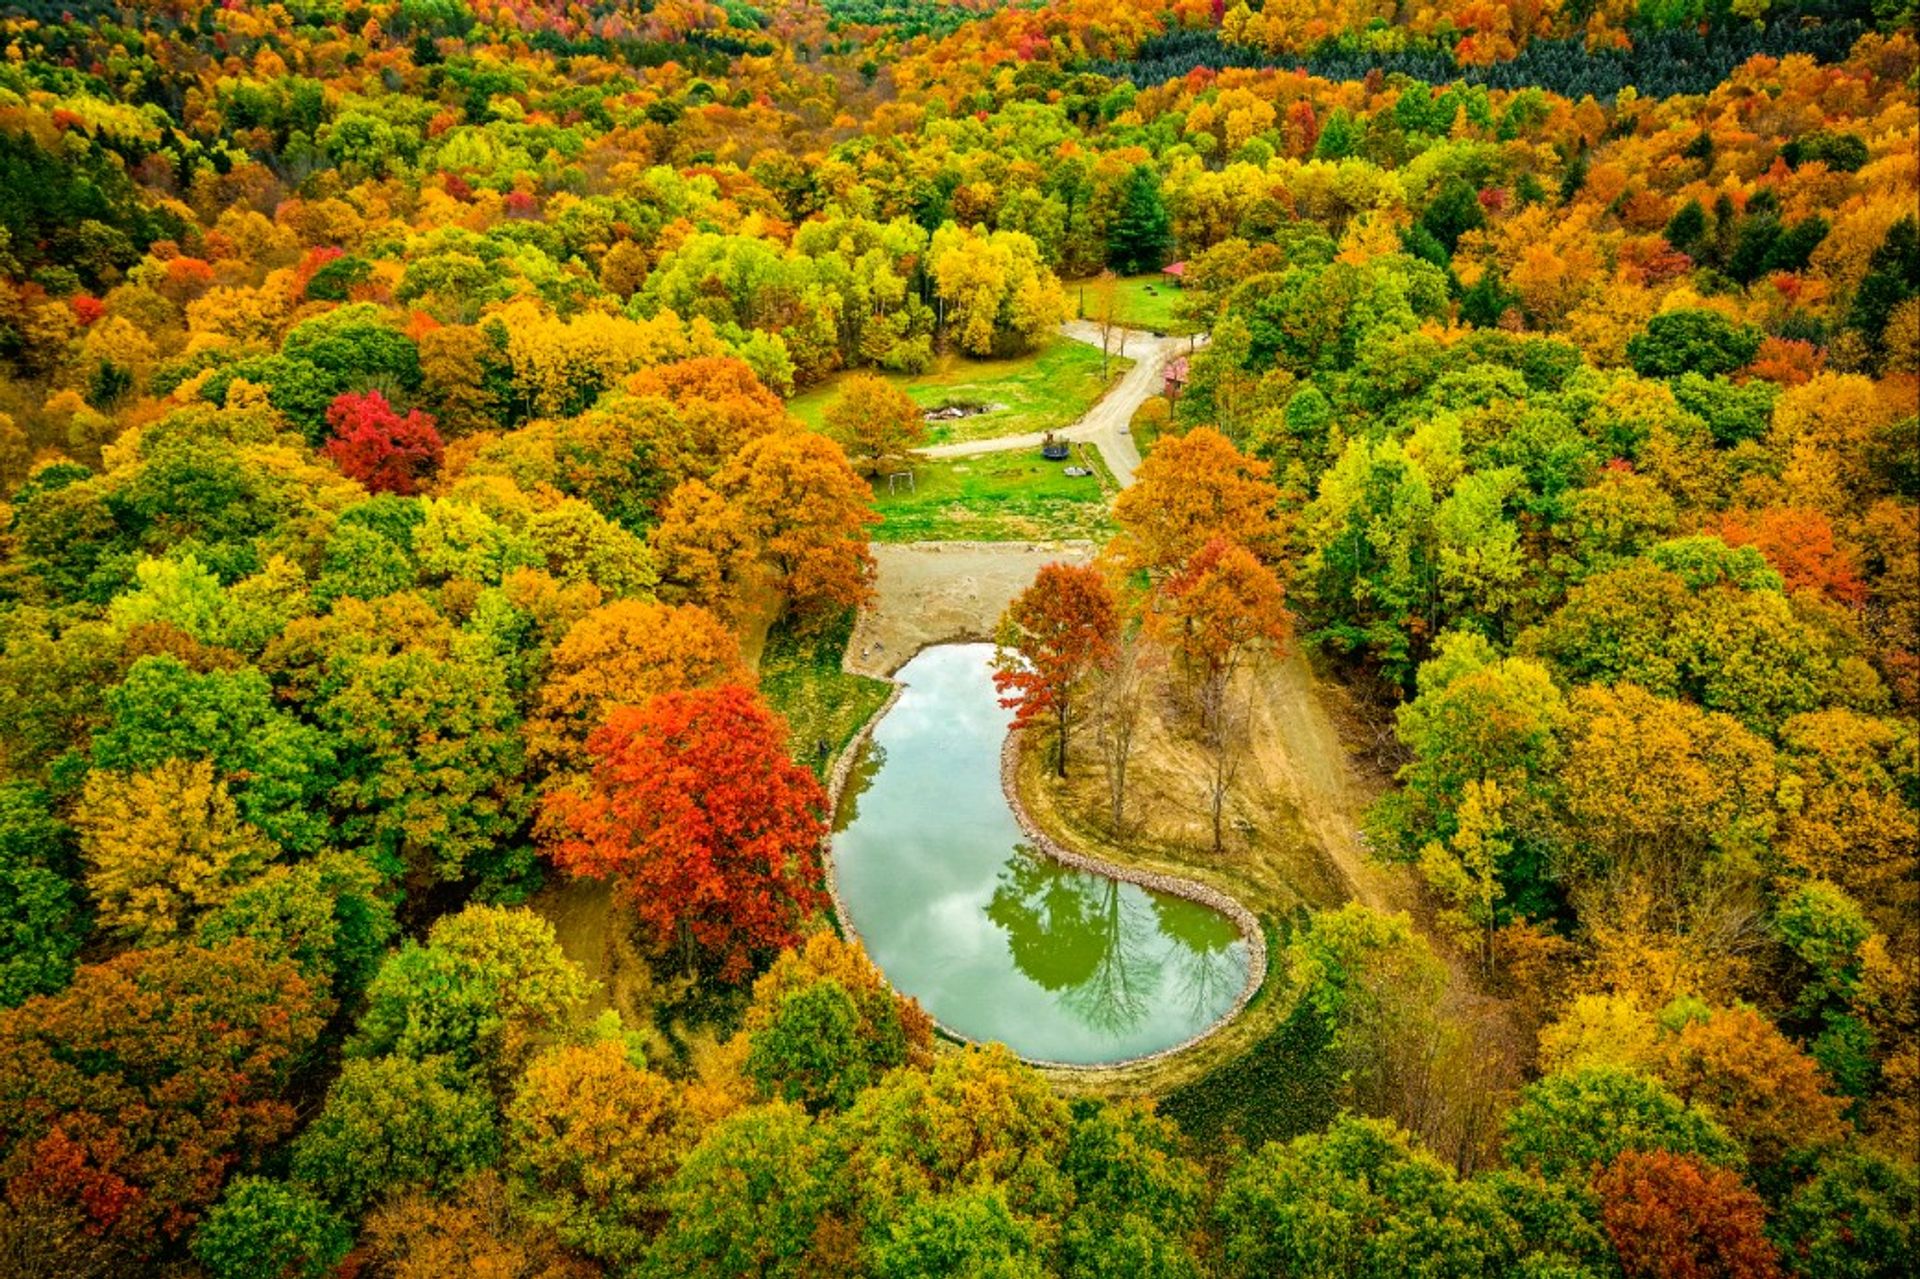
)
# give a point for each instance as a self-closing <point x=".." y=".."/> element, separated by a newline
<point x="1661" y="63"/>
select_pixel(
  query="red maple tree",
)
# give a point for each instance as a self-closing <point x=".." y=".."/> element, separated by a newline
<point x="1676" y="1217"/>
<point x="375" y="445"/>
<point x="1054" y="635"/>
<point x="1800" y="543"/>
<point x="710" y="830"/>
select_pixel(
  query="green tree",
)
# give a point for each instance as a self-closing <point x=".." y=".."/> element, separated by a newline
<point x="811" y="1051"/>
<point x="967" y="1233"/>
<point x="277" y="767"/>
<point x="1374" y="985"/>
<point x="264" y="1229"/>
<point x="1363" y="1200"/>
<point x="1858" y="1217"/>
<point x="329" y="916"/>
<point x="393" y="1122"/>
<point x="427" y="732"/>
<point x="1703" y="342"/>
<point x="750" y="1200"/>
<point x="42" y="919"/>
<point x="1569" y="1126"/>
<point x="1142" y="230"/>
<point x="1137" y="1197"/>
<point x="490" y="986"/>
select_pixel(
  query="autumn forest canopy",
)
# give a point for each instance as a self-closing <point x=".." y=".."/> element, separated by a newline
<point x="446" y="447"/>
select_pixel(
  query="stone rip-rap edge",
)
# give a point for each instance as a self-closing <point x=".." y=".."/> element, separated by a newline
<point x="1174" y="885"/>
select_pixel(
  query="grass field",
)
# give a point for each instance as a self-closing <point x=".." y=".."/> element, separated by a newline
<point x="1145" y="302"/>
<point x="1043" y="391"/>
<point x="996" y="497"/>
<point x="801" y="677"/>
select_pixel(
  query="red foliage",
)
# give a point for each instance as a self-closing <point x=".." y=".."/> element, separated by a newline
<point x="384" y="451"/>
<point x="1675" y="1217"/>
<point x="519" y="204"/>
<point x="712" y="831"/>
<point x="132" y="1094"/>
<point x="1799" y="542"/>
<point x="61" y="1171"/>
<point x="1063" y="627"/>
<point x="1786" y="361"/>
<point x="456" y="186"/>
<point x="86" y="309"/>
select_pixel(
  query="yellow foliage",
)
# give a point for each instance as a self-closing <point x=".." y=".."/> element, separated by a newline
<point x="163" y="846"/>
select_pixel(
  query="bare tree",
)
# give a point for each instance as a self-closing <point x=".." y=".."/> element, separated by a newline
<point x="1116" y="717"/>
<point x="1106" y="316"/>
<point x="1224" y="720"/>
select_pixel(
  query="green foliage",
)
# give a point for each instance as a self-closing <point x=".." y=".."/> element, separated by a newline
<point x="489" y="987"/>
<point x="42" y="921"/>
<point x="1363" y="1199"/>
<point x="329" y="916"/>
<point x="1566" y="1126"/>
<point x="1702" y="342"/>
<point x="968" y="1233"/>
<point x="263" y="1229"/>
<point x="278" y="766"/>
<point x="1141" y="231"/>
<point x="749" y="1199"/>
<point x="394" y="1122"/>
<point x="1136" y="1197"/>
<point x="1854" y="1219"/>
<point x="813" y="1052"/>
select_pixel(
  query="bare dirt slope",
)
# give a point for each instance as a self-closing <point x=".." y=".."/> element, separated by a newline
<point x="935" y="592"/>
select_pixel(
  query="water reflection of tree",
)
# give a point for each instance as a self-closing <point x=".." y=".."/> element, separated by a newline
<point x="1080" y="936"/>
<point x="860" y="778"/>
<point x="1208" y="968"/>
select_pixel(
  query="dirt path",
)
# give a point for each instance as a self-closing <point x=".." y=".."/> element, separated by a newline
<point x="1105" y="424"/>
<point x="1297" y="752"/>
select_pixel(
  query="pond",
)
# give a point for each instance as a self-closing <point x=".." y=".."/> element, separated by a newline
<point x="995" y="940"/>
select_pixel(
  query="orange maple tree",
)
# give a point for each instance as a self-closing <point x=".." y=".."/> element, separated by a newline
<point x="1678" y="1217"/>
<point x="1224" y="605"/>
<point x="1799" y="542"/>
<point x="711" y="832"/>
<point x="809" y="514"/>
<point x="623" y="653"/>
<point x="1055" y="634"/>
<point x="1191" y="489"/>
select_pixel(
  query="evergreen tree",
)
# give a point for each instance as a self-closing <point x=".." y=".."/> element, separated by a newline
<point x="1142" y="232"/>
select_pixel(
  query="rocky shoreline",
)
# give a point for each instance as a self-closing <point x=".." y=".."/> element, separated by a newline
<point x="1173" y="885"/>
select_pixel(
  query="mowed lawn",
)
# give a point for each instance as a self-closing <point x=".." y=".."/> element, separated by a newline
<point x="1042" y="391"/>
<point x="997" y="497"/>
<point x="1145" y="302"/>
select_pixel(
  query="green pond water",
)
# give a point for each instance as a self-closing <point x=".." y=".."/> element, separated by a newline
<point x="994" y="939"/>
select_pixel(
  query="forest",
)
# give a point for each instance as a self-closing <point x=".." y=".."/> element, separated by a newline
<point x="475" y="477"/>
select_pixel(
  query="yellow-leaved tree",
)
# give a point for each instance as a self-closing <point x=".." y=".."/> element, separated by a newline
<point x="163" y="846"/>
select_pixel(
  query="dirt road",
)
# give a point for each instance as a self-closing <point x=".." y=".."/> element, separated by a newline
<point x="1105" y="424"/>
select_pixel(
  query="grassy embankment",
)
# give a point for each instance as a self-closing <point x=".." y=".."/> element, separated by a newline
<point x="1262" y="1076"/>
<point x="1041" y="391"/>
